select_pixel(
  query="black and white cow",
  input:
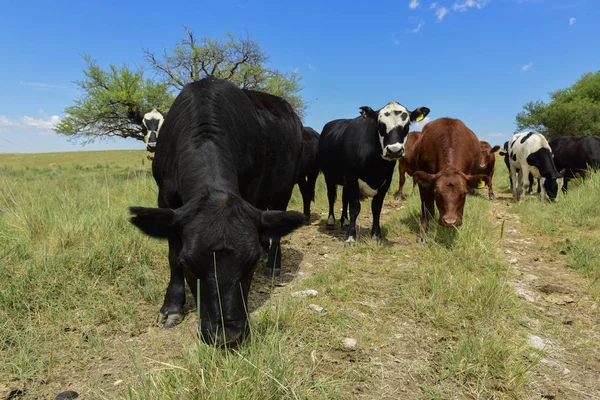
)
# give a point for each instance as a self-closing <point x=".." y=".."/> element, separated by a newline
<point x="152" y="121"/>
<point x="360" y="154"/>
<point x="529" y="152"/>
<point x="225" y="155"/>
<point x="309" y="168"/>
<point x="504" y="154"/>
<point x="575" y="154"/>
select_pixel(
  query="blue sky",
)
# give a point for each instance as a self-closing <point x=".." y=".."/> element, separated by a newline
<point x="477" y="60"/>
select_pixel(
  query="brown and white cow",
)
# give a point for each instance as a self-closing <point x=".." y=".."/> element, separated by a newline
<point x="446" y="165"/>
<point x="404" y="165"/>
<point x="487" y="161"/>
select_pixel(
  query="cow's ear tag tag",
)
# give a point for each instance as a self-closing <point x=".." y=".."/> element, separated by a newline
<point x="481" y="185"/>
<point x="420" y="118"/>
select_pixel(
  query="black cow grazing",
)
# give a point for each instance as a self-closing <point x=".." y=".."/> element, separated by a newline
<point x="575" y="154"/>
<point x="529" y="152"/>
<point x="309" y="168"/>
<point x="152" y="121"/>
<point x="224" y="156"/>
<point x="504" y="154"/>
<point x="360" y="154"/>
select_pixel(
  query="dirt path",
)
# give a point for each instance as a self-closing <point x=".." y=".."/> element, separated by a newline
<point x="563" y="321"/>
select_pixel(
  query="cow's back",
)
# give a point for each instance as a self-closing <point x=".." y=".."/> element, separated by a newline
<point x="444" y="143"/>
<point x="282" y="135"/>
<point x="575" y="153"/>
<point x="310" y="150"/>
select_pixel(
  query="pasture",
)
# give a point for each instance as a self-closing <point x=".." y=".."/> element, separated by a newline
<point x="505" y="307"/>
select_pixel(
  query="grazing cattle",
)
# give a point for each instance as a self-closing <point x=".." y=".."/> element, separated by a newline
<point x="530" y="153"/>
<point x="446" y="165"/>
<point x="225" y="155"/>
<point x="504" y="154"/>
<point x="152" y="121"/>
<point x="487" y="162"/>
<point x="575" y="154"/>
<point x="404" y="163"/>
<point x="360" y="155"/>
<point x="309" y="168"/>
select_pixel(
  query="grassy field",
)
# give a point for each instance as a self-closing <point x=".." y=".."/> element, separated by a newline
<point x="81" y="287"/>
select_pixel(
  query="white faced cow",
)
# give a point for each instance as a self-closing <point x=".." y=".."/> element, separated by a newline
<point x="529" y="152"/>
<point x="152" y="121"/>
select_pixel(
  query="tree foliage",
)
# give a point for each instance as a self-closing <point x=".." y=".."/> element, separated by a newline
<point x="114" y="100"/>
<point x="113" y="103"/>
<point x="574" y="111"/>
<point x="238" y="60"/>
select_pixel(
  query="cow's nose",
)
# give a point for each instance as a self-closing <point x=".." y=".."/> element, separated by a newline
<point x="151" y="146"/>
<point x="394" y="152"/>
<point x="449" y="221"/>
<point x="234" y="335"/>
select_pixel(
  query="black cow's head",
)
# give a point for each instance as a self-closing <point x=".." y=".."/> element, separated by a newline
<point x="152" y="122"/>
<point x="552" y="184"/>
<point x="220" y="245"/>
<point x="393" y="122"/>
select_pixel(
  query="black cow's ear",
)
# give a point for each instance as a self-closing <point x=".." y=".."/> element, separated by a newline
<point x="561" y="174"/>
<point x="503" y="152"/>
<point x="367" y="112"/>
<point x="495" y="149"/>
<point x="419" y="114"/>
<point x="155" y="222"/>
<point x="279" y="223"/>
<point x="424" y="179"/>
<point x="473" y="180"/>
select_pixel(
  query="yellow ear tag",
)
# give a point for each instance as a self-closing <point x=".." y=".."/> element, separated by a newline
<point x="481" y="185"/>
<point x="420" y="117"/>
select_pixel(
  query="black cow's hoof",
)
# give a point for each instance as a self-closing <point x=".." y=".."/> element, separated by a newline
<point x="169" y="321"/>
<point x="350" y="242"/>
<point x="272" y="272"/>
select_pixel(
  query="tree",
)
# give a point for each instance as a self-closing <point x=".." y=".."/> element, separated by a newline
<point x="574" y="111"/>
<point x="114" y="100"/>
<point x="238" y="60"/>
<point x="113" y="103"/>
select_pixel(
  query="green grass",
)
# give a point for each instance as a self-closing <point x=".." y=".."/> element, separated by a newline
<point x="570" y="227"/>
<point x="76" y="275"/>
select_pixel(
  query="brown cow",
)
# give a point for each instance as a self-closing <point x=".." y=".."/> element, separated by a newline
<point x="404" y="165"/>
<point x="444" y="160"/>
<point x="487" y="161"/>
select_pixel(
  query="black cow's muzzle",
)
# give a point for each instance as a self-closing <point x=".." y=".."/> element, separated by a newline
<point x="234" y="334"/>
<point x="151" y="146"/>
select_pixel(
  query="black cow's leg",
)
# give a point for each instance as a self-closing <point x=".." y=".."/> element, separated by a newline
<point x="490" y="189"/>
<point x="304" y="190"/>
<point x="427" y="213"/>
<point x="344" y="220"/>
<point x="171" y="313"/>
<point x="331" y="195"/>
<point x="311" y="181"/>
<point x="376" y="205"/>
<point x="273" y="267"/>
<point x="354" y="204"/>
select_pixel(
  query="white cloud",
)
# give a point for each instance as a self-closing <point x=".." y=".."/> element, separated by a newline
<point x="43" y="85"/>
<point x="464" y="5"/>
<point x="526" y="67"/>
<point x="417" y="29"/>
<point x="418" y="126"/>
<point x="496" y="134"/>
<point x="413" y="4"/>
<point x="395" y="40"/>
<point x="441" y="13"/>
<point x="40" y="126"/>
<point x="572" y="21"/>
<point x="433" y="6"/>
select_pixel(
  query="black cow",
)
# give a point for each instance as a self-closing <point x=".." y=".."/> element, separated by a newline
<point x="225" y="154"/>
<point x="309" y="168"/>
<point x="360" y="154"/>
<point x="152" y="121"/>
<point x="575" y="154"/>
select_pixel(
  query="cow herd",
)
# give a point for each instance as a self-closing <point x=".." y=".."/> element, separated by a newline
<point x="228" y="159"/>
